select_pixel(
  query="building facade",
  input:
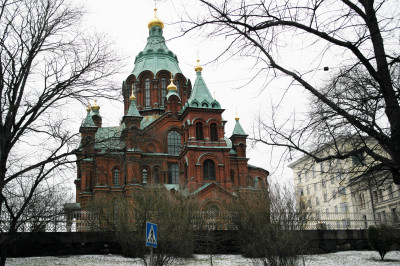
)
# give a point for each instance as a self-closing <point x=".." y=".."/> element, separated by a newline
<point x="172" y="134"/>
<point x="340" y="195"/>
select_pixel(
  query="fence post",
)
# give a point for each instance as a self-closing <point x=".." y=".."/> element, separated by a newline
<point x="69" y="209"/>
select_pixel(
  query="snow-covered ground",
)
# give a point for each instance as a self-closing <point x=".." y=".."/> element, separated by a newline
<point x="339" y="258"/>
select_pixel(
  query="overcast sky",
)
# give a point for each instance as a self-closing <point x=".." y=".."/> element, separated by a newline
<point x="125" y="23"/>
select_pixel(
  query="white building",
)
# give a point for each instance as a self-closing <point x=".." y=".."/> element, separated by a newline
<point x="340" y="196"/>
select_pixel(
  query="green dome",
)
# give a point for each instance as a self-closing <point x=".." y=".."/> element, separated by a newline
<point x="156" y="56"/>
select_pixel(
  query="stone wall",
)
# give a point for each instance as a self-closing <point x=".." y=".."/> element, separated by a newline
<point x="59" y="244"/>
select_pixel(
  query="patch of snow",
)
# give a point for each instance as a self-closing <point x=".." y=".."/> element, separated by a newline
<point x="339" y="258"/>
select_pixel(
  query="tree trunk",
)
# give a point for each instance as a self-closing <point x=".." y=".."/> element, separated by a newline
<point x="3" y="254"/>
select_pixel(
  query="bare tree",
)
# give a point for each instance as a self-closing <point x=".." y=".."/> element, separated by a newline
<point x="363" y="33"/>
<point x="270" y="216"/>
<point x="47" y="63"/>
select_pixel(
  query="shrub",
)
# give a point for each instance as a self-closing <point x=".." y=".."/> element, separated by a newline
<point x="269" y="226"/>
<point x="126" y="216"/>
<point x="381" y="238"/>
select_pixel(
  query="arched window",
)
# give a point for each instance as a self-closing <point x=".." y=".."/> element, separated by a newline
<point x="199" y="131"/>
<point x="147" y="92"/>
<point x="213" y="211"/>
<point x="232" y="176"/>
<point x="213" y="132"/>
<point x="174" y="143"/>
<point x="163" y="90"/>
<point x="134" y="89"/>
<point x="156" y="175"/>
<point x="116" y="176"/>
<point x="178" y="86"/>
<point x="144" y="176"/>
<point x="209" y="170"/>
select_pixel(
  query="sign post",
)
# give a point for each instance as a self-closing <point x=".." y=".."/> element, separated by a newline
<point x="151" y="239"/>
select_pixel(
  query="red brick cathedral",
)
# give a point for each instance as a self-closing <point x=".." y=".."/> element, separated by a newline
<point x="171" y="134"/>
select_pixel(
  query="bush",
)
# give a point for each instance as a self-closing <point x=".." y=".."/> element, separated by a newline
<point x="126" y="216"/>
<point x="381" y="238"/>
<point x="269" y="226"/>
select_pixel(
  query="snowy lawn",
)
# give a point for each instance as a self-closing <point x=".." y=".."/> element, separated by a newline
<point x="339" y="258"/>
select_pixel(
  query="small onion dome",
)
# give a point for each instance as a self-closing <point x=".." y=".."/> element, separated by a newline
<point x="198" y="68"/>
<point x="171" y="86"/>
<point x="88" y="108"/>
<point x="95" y="107"/>
<point x="155" y="21"/>
<point x="132" y="98"/>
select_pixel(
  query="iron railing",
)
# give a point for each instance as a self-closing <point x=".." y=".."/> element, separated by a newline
<point x="76" y="221"/>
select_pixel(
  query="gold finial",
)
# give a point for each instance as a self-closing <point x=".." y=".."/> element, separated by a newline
<point x="95" y="107"/>
<point x="198" y="68"/>
<point x="237" y="117"/>
<point x="155" y="21"/>
<point x="132" y="98"/>
<point x="215" y="96"/>
<point x="171" y="86"/>
<point x="88" y="108"/>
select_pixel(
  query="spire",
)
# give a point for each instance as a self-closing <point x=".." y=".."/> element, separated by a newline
<point x="133" y="111"/>
<point x="238" y="130"/>
<point x="88" y="122"/>
<point x="201" y="96"/>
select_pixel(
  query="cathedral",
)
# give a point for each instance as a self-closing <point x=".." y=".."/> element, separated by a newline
<point x="172" y="134"/>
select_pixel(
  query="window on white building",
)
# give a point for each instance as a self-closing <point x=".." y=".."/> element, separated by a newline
<point x="380" y="194"/>
<point x="342" y="191"/>
<point x="375" y="196"/>
<point x="390" y="192"/>
<point x="339" y="175"/>
<point x="383" y="216"/>
<point x="343" y="207"/>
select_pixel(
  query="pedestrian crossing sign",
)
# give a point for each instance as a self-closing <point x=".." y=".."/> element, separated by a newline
<point x="151" y="235"/>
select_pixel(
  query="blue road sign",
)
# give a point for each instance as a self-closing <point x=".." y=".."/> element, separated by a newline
<point x="151" y="235"/>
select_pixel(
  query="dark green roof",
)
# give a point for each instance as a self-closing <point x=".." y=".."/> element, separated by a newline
<point x="201" y="96"/>
<point x="88" y="122"/>
<point x="156" y="56"/>
<point x="238" y="130"/>
<point x="109" y="138"/>
<point x="147" y="120"/>
<point x="133" y="111"/>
